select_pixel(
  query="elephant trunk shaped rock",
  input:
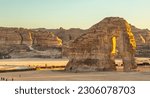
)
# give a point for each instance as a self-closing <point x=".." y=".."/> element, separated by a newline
<point x="95" y="50"/>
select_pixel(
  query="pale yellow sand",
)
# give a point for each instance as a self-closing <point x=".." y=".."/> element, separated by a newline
<point x="143" y="72"/>
<point x="33" y="62"/>
<point x="47" y="75"/>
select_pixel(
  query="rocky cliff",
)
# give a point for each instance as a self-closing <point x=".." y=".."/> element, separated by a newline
<point x="142" y="37"/>
<point x="64" y="34"/>
<point x="19" y="40"/>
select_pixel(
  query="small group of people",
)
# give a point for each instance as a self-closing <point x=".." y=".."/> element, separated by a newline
<point x="6" y="79"/>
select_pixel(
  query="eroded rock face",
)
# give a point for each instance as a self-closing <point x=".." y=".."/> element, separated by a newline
<point x="65" y="35"/>
<point x="20" y="40"/>
<point x="9" y="36"/>
<point x="142" y="37"/>
<point x="46" y="40"/>
<point x="95" y="50"/>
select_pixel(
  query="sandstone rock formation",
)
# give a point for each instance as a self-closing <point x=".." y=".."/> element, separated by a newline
<point x="70" y="34"/>
<point x="142" y="37"/>
<point x="41" y="43"/>
<point x="65" y="35"/>
<point x="24" y="40"/>
<point x="9" y="36"/>
<point x="45" y="40"/>
<point x="96" y="49"/>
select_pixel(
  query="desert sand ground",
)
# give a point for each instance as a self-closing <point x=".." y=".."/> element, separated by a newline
<point x="33" y="62"/>
<point x="142" y="73"/>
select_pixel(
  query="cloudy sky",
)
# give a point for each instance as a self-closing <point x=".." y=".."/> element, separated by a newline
<point x="71" y="13"/>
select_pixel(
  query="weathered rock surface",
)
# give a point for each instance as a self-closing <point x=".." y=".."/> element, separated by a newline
<point x="45" y="40"/>
<point x="95" y="50"/>
<point x="63" y="34"/>
<point x="22" y="42"/>
<point x="142" y="37"/>
<point x="70" y="34"/>
<point x="19" y="40"/>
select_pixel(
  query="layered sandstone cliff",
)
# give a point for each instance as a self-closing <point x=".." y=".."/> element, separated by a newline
<point x="142" y="37"/>
<point x="19" y="40"/>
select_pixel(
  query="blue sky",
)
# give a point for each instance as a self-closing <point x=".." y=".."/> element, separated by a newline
<point x="71" y="13"/>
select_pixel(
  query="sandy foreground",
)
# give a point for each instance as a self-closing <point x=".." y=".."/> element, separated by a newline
<point x="142" y="73"/>
<point x="33" y="62"/>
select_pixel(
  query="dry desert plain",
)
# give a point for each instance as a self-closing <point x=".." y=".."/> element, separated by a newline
<point x="58" y="74"/>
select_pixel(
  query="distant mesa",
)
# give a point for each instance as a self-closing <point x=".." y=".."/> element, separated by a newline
<point x="22" y="41"/>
